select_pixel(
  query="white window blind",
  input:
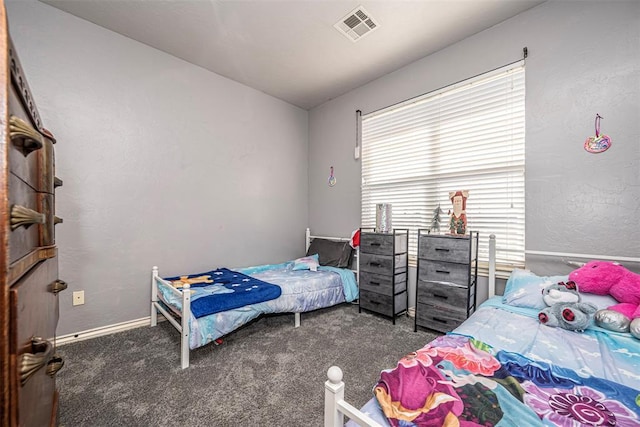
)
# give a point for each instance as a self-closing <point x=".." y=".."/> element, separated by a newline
<point x="468" y="136"/>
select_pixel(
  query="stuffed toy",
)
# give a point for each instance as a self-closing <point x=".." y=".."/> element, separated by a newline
<point x="565" y="309"/>
<point x="560" y="292"/>
<point x="611" y="278"/>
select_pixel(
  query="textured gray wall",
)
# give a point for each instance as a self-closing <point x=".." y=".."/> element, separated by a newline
<point x="163" y="163"/>
<point x="584" y="58"/>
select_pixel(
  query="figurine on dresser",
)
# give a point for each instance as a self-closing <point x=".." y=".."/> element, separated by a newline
<point x="458" y="221"/>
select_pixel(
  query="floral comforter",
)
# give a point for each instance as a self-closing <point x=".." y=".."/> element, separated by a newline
<point x="460" y="381"/>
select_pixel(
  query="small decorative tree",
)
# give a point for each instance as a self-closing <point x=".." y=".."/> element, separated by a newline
<point x="435" y="221"/>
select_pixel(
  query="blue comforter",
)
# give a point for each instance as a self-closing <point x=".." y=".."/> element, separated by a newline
<point x="224" y="289"/>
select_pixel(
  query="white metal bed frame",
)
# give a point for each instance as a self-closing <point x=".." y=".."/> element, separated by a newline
<point x="182" y="324"/>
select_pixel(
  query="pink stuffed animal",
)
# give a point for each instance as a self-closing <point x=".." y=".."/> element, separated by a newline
<point x="611" y="278"/>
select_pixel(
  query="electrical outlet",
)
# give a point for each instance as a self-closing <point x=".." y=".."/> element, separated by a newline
<point x="78" y="298"/>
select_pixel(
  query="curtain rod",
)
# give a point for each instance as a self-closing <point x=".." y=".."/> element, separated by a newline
<point x="525" y="54"/>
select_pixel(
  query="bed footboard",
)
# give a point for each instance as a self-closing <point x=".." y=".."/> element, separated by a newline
<point x="335" y="407"/>
<point x="184" y="315"/>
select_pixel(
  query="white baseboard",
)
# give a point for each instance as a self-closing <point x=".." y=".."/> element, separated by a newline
<point x="411" y="312"/>
<point x="104" y="330"/>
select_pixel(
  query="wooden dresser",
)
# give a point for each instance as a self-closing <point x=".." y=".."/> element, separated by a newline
<point x="383" y="272"/>
<point x="447" y="278"/>
<point x="29" y="264"/>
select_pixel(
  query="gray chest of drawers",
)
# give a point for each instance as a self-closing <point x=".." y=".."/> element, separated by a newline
<point x="383" y="272"/>
<point x="447" y="280"/>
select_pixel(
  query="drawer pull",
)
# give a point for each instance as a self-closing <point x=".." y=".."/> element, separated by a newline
<point x="374" y="283"/>
<point x="442" y="249"/>
<point x="440" y="296"/>
<point x="55" y="364"/>
<point x="24" y="137"/>
<point x="29" y="363"/>
<point x="439" y="320"/>
<point x="442" y="271"/>
<point x="22" y="216"/>
<point x="374" y="244"/>
<point x="374" y="264"/>
<point x="57" y="182"/>
<point x="57" y="220"/>
<point x="57" y="286"/>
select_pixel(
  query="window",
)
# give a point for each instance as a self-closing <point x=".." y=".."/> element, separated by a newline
<point x="468" y="136"/>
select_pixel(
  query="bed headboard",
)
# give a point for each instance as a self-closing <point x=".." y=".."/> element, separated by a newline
<point x="309" y="238"/>
<point x="355" y="257"/>
<point x="554" y="263"/>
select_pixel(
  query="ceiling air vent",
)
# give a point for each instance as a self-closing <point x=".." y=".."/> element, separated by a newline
<point x="356" y="24"/>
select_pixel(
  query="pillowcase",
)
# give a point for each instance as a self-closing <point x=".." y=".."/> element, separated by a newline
<point x="600" y="301"/>
<point x="306" y="263"/>
<point x="331" y="253"/>
<point x="524" y="289"/>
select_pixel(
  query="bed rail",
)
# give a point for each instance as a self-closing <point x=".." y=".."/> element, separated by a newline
<point x="184" y="315"/>
<point x="583" y="256"/>
<point x="335" y="407"/>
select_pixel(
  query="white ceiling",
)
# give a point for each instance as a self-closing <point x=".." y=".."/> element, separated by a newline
<point x="289" y="48"/>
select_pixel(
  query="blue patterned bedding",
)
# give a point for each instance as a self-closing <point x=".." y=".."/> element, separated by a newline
<point x="301" y="291"/>
<point x="224" y="289"/>
<point x="502" y="367"/>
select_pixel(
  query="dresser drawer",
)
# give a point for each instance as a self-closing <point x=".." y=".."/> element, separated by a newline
<point x="23" y="162"/>
<point x="444" y="248"/>
<point x="438" y="317"/>
<point x="382" y="284"/>
<point x="34" y="313"/>
<point x="454" y="297"/>
<point x="382" y="303"/>
<point x="33" y="305"/>
<point x="383" y="264"/>
<point x="447" y="272"/>
<point x="22" y="240"/>
<point x="382" y="243"/>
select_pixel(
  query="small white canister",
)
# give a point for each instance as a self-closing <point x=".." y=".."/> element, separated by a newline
<point x="383" y="218"/>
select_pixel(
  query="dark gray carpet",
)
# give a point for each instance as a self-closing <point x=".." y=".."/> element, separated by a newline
<point x="265" y="374"/>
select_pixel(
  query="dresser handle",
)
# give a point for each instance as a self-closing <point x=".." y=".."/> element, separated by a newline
<point x="24" y="137"/>
<point x="57" y="220"/>
<point x="442" y="271"/>
<point x="440" y="296"/>
<point x="442" y="249"/>
<point x="57" y="182"/>
<point x="29" y="363"/>
<point x="374" y="244"/>
<point x="57" y="286"/>
<point x="21" y="216"/>
<point x="439" y="320"/>
<point x="374" y="264"/>
<point x="375" y="283"/>
<point x="55" y="364"/>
